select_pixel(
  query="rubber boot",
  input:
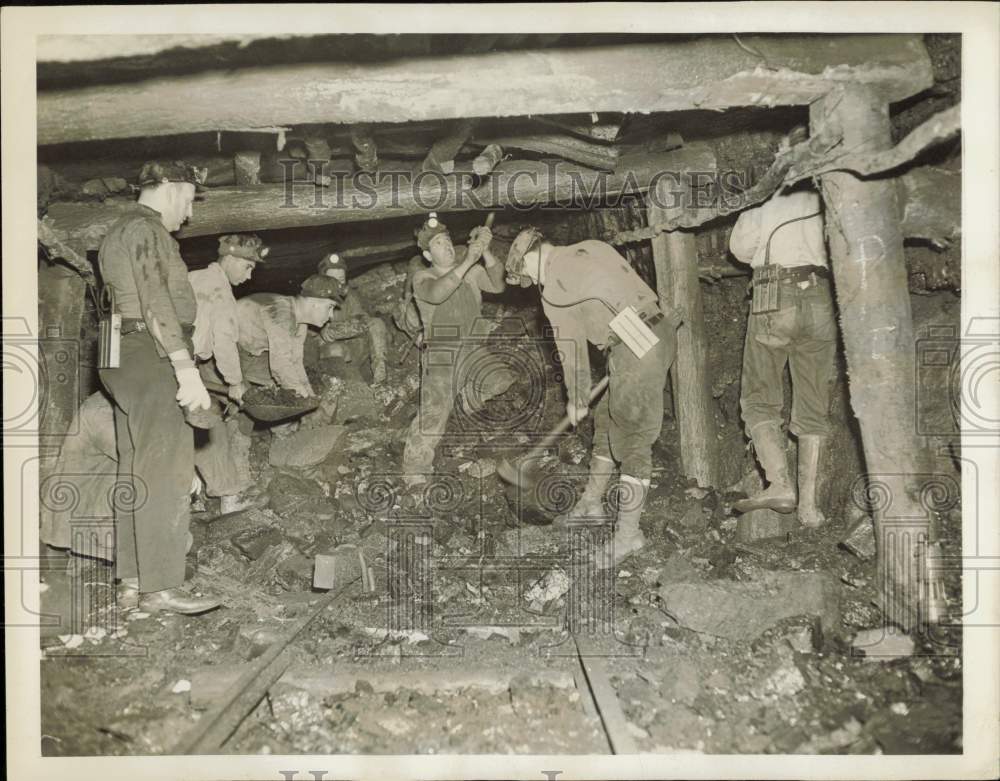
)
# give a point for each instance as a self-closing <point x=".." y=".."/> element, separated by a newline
<point x="628" y="536"/>
<point x="810" y="447"/>
<point x="769" y="442"/>
<point x="591" y="502"/>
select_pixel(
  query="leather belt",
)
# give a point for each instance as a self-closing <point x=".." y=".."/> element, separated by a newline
<point x="133" y="325"/>
<point x="800" y="273"/>
<point x="650" y="314"/>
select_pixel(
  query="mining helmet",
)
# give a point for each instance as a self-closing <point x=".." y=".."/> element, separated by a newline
<point x="318" y="286"/>
<point x="329" y="267"/>
<point x="247" y="246"/>
<point x="160" y="171"/>
<point x="523" y="243"/>
<point x="331" y="262"/>
<point x="431" y="228"/>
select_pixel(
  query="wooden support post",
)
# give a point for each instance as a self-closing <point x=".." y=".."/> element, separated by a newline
<point x="246" y="166"/>
<point x="599" y="156"/>
<point x="366" y="150"/>
<point x="866" y="246"/>
<point x="441" y="157"/>
<point x="675" y="258"/>
<point x="487" y="160"/>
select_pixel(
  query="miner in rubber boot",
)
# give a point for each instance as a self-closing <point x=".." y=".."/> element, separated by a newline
<point x="351" y="320"/>
<point x="449" y="298"/>
<point x="591" y="294"/>
<point x="224" y="458"/>
<point x="155" y="379"/>
<point x="792" y="322"/>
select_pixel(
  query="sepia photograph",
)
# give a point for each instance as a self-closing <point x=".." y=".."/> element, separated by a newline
<point x="450" y="382"/>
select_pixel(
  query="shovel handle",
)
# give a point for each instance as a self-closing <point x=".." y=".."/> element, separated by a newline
<point x="215" y="387"/>
<point x="564" y="424"/>
<point x="222" y="390"/>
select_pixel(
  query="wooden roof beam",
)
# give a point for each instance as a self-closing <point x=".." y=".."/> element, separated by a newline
<point x="715" y="72"/>
<point x="268" y="207"/>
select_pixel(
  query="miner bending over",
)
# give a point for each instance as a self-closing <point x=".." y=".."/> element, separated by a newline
<point x="584" y="287"/>
<point x="224" y="460"/>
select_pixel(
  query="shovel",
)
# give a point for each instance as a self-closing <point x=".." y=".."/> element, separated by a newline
<point x="522" y="475"/>
<point x="268" y="413"/>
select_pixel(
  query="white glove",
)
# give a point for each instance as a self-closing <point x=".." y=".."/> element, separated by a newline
<point x="576" y="413"/>
<point x="304" y="391"/>
<point x="191" y="392"/>
<point x="236" y="391"/>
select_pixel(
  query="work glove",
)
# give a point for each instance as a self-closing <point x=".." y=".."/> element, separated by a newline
<point x="576" y="413"/>
<point x="191" y="393"/>
<point x="304" y="391"/>
<point x="236" y="391"/>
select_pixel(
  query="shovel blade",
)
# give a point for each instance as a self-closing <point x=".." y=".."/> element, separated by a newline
<point x="525" y="509"/>
<point x="272" y="413"/>
<point x="507" y="472"/>
<point x="522" y="473"/>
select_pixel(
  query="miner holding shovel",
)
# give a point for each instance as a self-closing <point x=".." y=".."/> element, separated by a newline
<point x="591" y="294"/>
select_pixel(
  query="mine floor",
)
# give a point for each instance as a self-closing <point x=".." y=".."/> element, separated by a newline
<point x="484" y="660"/>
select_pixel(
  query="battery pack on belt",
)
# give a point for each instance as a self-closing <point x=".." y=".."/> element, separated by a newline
<point x="634" y="329"/>
<point x="109" y="331"/>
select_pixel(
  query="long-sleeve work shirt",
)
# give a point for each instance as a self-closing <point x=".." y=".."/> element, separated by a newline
<point x="586" y="286"/>
<point x="216" y="327"/>
<point x="798" y="243"/>
<point x="268" y="324"/>
<point x="142" y="261"/>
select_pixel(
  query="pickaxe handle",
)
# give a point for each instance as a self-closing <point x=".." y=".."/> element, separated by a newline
<point x="489" y="221"/>
<point x="538" y="450"/>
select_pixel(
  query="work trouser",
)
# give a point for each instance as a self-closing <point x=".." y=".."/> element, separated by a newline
<point x="77" y="498"/>
<point x="803" y="334"/>
<point x="155" y="460"/>
<point x="629" y="416"/>
<point x="448" y="368"/>
<point x="223" y="454"/>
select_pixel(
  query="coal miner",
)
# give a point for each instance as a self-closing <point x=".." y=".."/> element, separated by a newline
<point x="591" y="294"/>
<point x="273" y="330"/>
<point x="792" y="322"/>
<point x="351" y="320"/>
<point x="224" y="459"/>
<point x="141" y="264"/>
<point x="449" y="298"/>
